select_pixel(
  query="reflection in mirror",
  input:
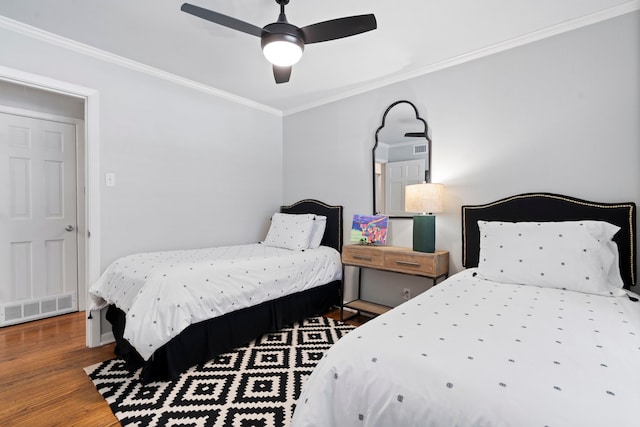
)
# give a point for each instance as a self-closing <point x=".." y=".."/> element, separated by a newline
<point x="401" y="156"/>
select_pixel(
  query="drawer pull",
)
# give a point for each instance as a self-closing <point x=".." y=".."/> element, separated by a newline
<point x="410" y="263"/>
<point x="362" y="257"/>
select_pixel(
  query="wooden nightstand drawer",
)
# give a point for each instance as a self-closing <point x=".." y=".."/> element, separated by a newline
<point x="365" y="256"/>
<point x="409" y="263"/>
<point x="423" y="264"/>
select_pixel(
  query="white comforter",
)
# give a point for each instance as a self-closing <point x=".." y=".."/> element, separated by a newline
<point x="470" y="352"/>
<point x="164" y="292"/>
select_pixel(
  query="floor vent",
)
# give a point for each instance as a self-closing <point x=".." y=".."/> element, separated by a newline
<point x="31" y="309"/>
<point x="49" y="305"/>
<point x="27" y="310"/>
<point x="65" y="302"/>
<point x="13" y="312"/>
<point x="420" y="149"/>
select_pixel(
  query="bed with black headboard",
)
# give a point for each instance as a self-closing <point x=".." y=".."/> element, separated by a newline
<point x="539" y="330"/>
<point x="553" y="207"/>
<point x="202" y="340"/>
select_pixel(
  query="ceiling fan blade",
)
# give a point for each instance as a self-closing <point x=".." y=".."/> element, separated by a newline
<point x="281" y="74"/>
<point x="338" y="28"/>
<point x="221" y="19"/>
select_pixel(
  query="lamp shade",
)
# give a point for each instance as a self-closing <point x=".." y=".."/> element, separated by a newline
<point x="282" y="49"/>
<point x="425" y="198"/>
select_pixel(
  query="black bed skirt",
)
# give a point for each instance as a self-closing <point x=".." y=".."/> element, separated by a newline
<point x="203" y="341"/>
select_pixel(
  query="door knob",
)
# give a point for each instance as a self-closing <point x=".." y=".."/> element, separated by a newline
<point x="69" y="228"/>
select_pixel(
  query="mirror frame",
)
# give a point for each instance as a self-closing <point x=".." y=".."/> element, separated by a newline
<point x="373" y="151"/>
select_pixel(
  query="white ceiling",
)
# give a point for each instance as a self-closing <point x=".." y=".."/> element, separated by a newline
<point x="413" y="37"/>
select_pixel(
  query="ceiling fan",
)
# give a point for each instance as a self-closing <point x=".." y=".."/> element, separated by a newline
<point x="282" y="42"/>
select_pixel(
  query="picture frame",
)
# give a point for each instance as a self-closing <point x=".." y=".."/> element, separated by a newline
<point x="369" y="229"/>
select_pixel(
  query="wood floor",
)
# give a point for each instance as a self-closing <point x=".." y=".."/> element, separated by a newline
<point x="42" y="381"/>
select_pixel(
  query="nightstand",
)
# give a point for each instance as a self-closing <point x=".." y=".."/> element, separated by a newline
<point x="434" y="266"/>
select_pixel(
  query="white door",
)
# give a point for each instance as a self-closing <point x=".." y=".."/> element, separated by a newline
<point x="38" y="239"/>
<point x="399" y="175"/>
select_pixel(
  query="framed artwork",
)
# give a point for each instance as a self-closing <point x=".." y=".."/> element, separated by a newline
<point x="369" y="229"/>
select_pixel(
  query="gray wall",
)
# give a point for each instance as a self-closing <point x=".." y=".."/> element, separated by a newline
<point x="558" y="115"/>
<point x="192" y="169"/>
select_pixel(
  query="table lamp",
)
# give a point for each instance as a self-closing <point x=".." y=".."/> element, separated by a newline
<point x="426" y="199"/>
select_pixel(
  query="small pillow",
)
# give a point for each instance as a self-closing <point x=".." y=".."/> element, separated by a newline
<point x="574" y="255"/>
<point x="290" y="231"/>
<point x="317" y="232"/>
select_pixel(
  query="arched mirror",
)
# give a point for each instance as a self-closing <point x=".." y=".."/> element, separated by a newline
<point x="401" y="156"/>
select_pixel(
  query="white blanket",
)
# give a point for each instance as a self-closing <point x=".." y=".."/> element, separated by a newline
<point x="164" y="292"/>
<point x="470" y="352"/>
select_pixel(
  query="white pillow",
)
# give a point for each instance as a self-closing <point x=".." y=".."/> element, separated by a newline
<point x="290" y="231"/>
<point x="317" y="232"/>
<point x="574" y="255"/>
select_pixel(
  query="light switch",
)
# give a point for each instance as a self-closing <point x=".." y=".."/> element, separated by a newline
<point x="110" y="179"/>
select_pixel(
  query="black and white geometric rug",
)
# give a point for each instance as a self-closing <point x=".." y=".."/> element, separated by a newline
<point x="256" y="385"/>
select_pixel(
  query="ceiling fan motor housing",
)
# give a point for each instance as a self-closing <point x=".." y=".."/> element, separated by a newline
<point x="282" y="31"/>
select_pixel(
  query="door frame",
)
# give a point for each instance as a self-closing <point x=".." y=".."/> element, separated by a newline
<point x="90" y="256"/>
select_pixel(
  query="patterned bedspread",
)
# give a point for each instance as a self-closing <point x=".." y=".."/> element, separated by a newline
<point x="162" y="293"/>
<point x="470" y="352"/>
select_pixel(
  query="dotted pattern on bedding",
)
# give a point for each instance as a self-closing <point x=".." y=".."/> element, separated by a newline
<point x="574" y="255"/>
<point x="164" y="292"/>
<point x="475" y="352"/>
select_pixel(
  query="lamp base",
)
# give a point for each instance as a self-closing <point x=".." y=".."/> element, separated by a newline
<point x="424" y="233"/>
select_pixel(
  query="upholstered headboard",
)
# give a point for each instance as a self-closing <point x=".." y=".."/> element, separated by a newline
<point x="553" y="207"/>
<point x="333" y="231"/>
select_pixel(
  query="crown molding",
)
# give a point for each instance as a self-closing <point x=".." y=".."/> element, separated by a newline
<point x="72" y="45"/>
<point x="573" y="24"/>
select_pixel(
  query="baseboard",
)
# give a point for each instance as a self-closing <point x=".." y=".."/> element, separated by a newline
<point x="107" y="338"/>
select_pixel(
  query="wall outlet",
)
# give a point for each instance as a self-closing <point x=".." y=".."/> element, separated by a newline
<point x="406" y="293"/>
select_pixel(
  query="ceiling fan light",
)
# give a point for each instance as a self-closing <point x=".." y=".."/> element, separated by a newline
<point x="282" y="49"/>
